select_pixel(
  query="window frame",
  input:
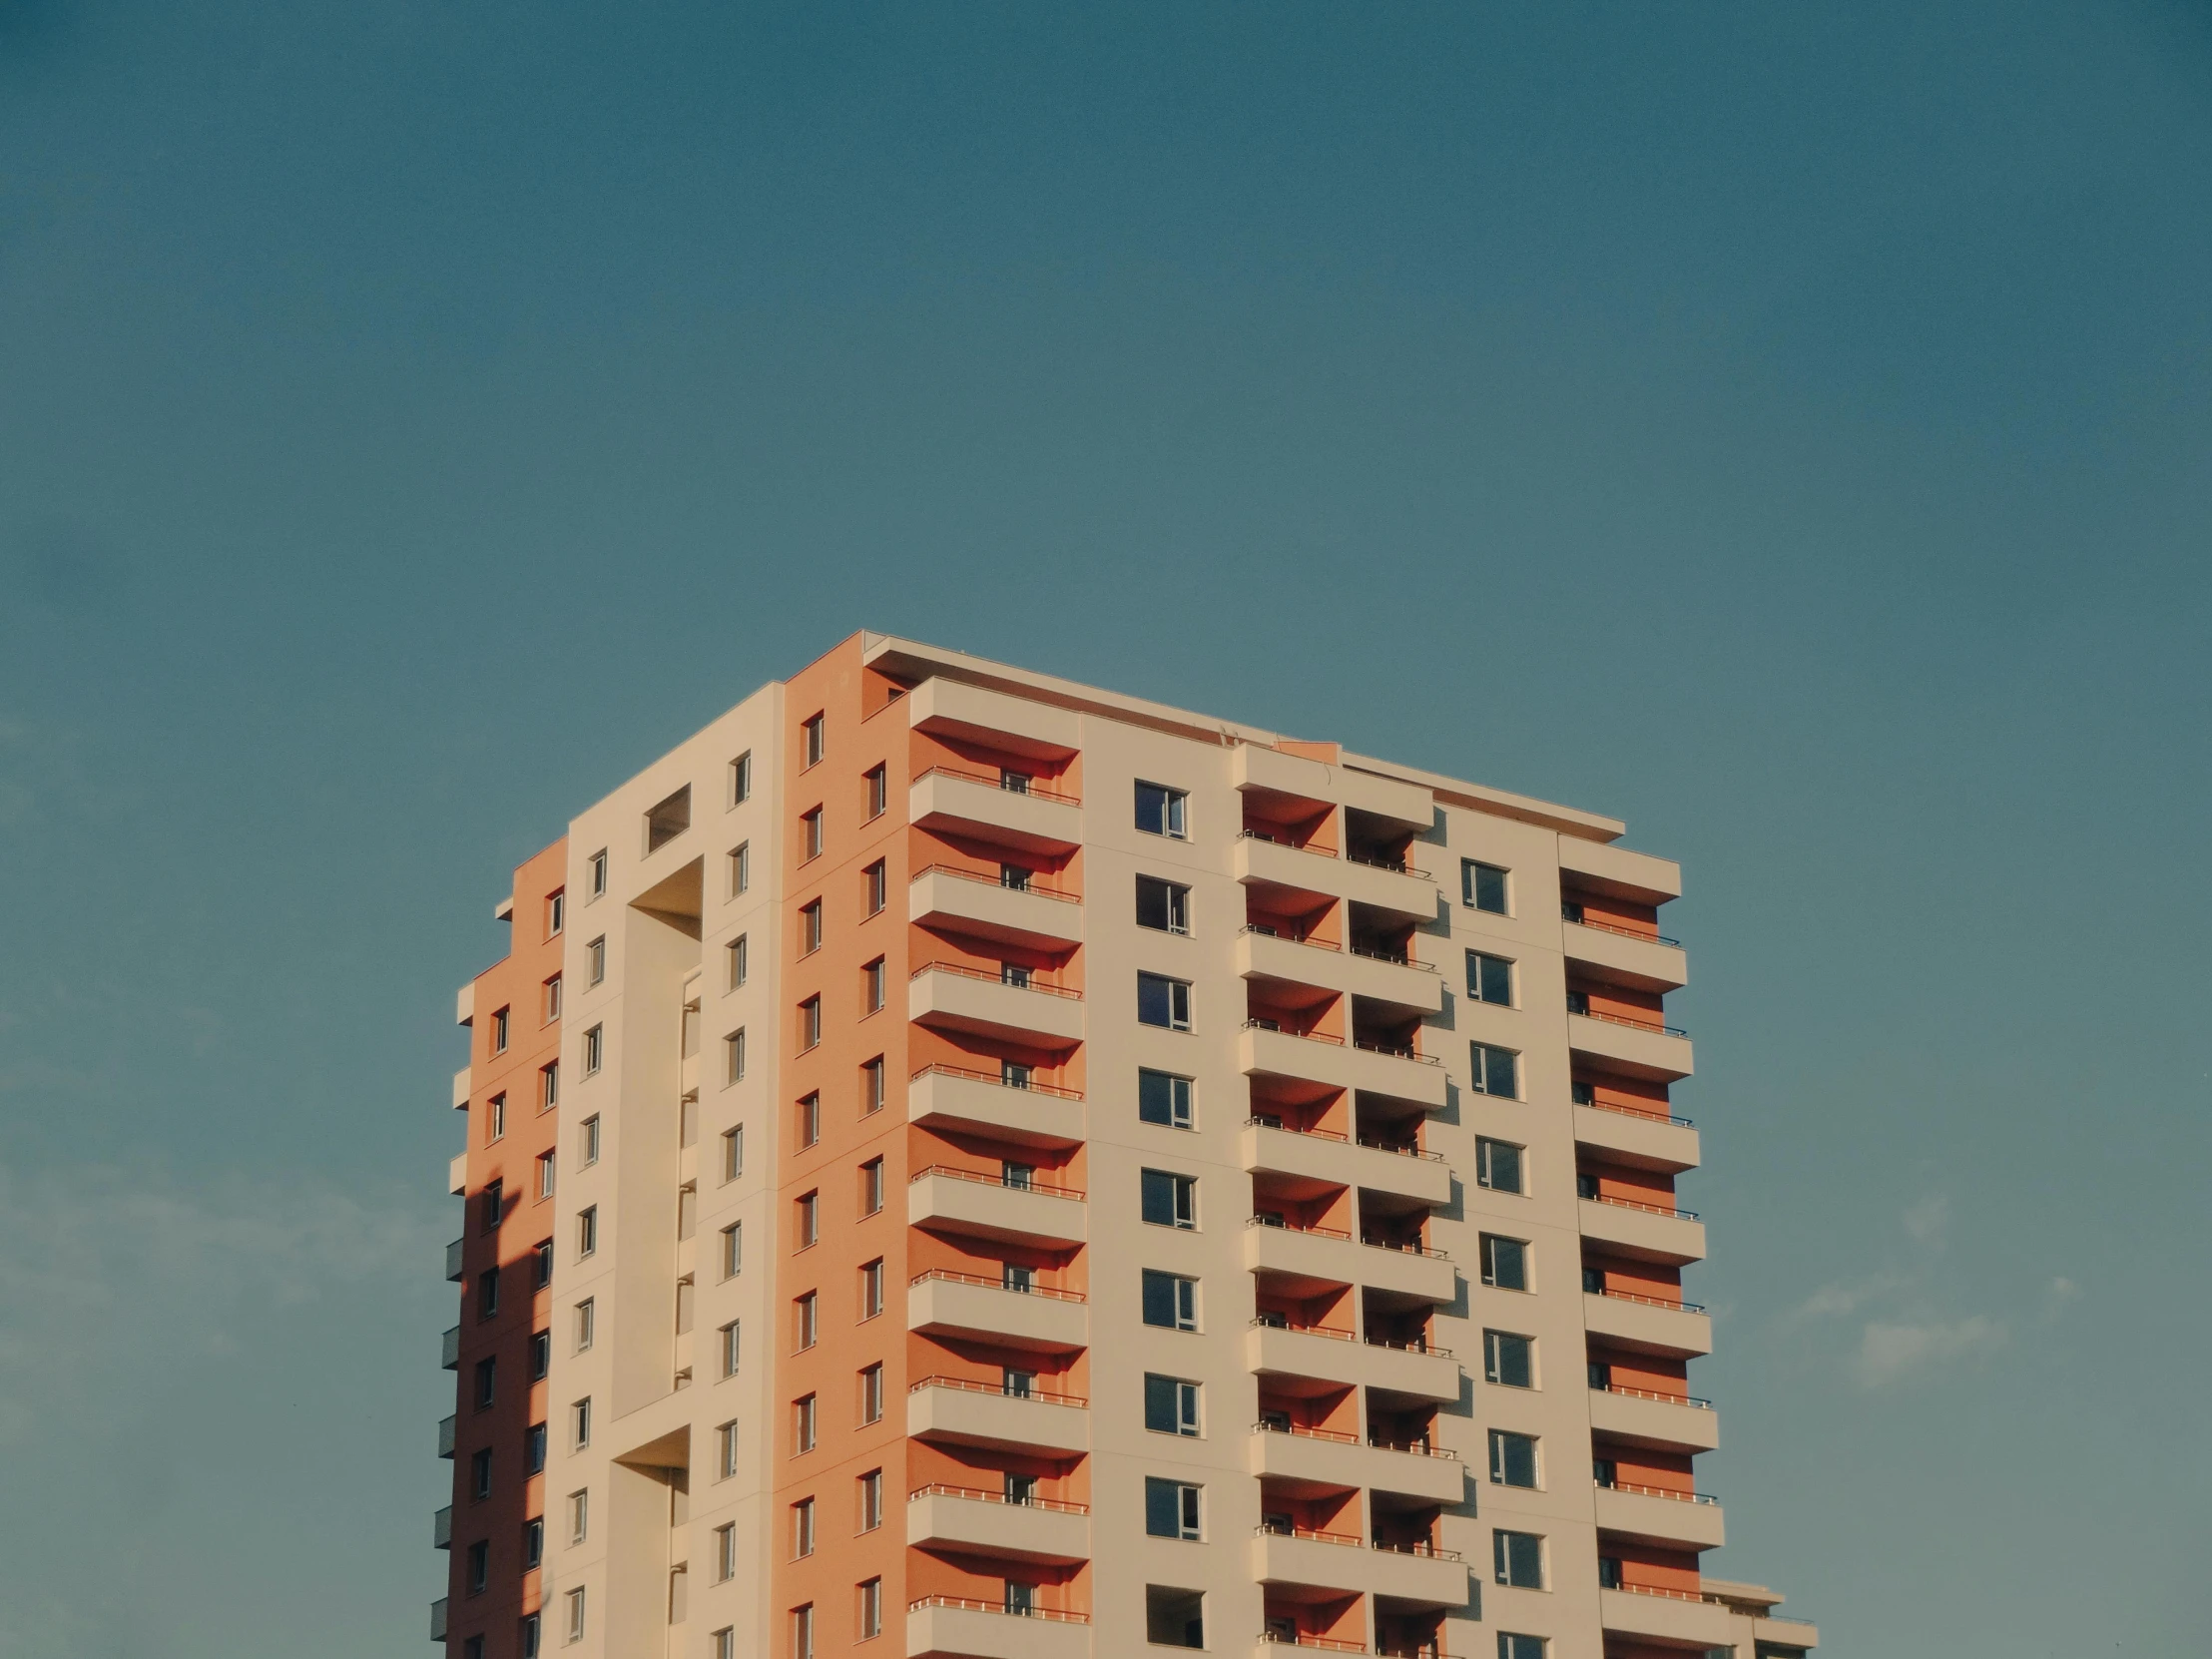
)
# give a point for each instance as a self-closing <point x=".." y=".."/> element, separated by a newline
<point x="1471" y="887"/>
<point x="1176" y="1004"/>
<point x="1174" y="811"/>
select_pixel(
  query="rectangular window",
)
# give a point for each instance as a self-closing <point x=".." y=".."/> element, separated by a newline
<point x="741" y="869"/>
<point x="533" y="1538"/>
<point x="595" y="954"/>
<point x="1162" y="1001"/>
<point x="802" y="1423"/>
<point x="487" y="1383"/>
<point x="726" y="1552"/>
<point x="872" y="1393"/>
<point x="551" y="996"/>
<point x="733" y="1057"/>
<point x="810" y="928"/>
<point x="488" y="1294"/>
<point x="1508" y="1360"/>
<point x="1482" y="886"/>
<point x="805" y="1321"/>
<point x="576" y="1614"/>
<point x="556" y="913"/>
<point x="878" y="888"/>
<point x="809" y="1121"/>
<point x="491" y="1206"/>
<point x="1170" y="1300"/>
<point x="724" y="1643"/>
<point x="541" y="1355"/>
<point x="735" y="967"/>
<point x="1165" y="1099"/>
<point x="1512" y="1459"/>
<point x="1510" y="1646"/>
<point x="544" y="1257"/>
<point x="1519" y="1558"/>
<point x="1495" y="1070"/>
<point x="732" y="1250"/>
<point x="741" y="778"/>
<point x="729" y="1349"/>
<point x="809" y="1023"/>
<point x="495" y="1117"/>
<point x="1504" y="1262"/>
<point x="667" y="819"/>
<point x="802" y="1632"/>
<point x="870" y="1614"/>
<point x="809" y="1210"/>
<point x="579" y="1423"/>
<point x="872" y="1290"/>
<point x="871" y="1086"/>
<point x="1489" y="978"/>
<point x="810" y="834"/>
<point x="499" y="1022"/>
<point x="549" y="1086"/>
<point x="871" y="987"/>
<point x="590" y="1139"/>
<point x="587" y="1231"/>
<point x="1160" y="810"/>
<point x="871" y="1499"/>
<point x="803" y="1528"/>
<point x="545" y="1175"/>
<point x="1497" y="1166"/>
<point x="1174" y="1618"/>
<point x="579" y="1517"/>
<point x="479" y="1474"/>
<point x="1170" y="1405"/>
<point x="534" y="1449"/>
<point x="815" y="728"/>
<point x="871" y="1187"/>
<point x="1168" y="1200"/>
<point x="726" y="1451"/>
<point x="879" y="789"/>
<point x="1170" y="1508"/>
<point x="733" y="1153"/>
<point x="595" y="1050"/>
<point x="1605" y="1471"/>
<point x="479" y="1566"/>
<point x="1164" y="906"/>
<point x="596" y="885"/>
<point x="584" y="1323"/>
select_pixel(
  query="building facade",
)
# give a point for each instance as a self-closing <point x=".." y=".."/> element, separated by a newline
<point x="985" y="1166"/>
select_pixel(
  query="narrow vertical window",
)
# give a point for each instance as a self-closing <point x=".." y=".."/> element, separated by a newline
<point x="810" y="928"/>
<point x="733" y="1056"/>
<point x="871" y="987"/>
<point x="809" y="1023"/>
<point x="590" y="1127"/>
<point x="879" y="789"/>
<point x="803" y="1528"/>
<point x="871" y="1187"/>
<point x="741" y="869"/>
<point x="871" y="1086"/>
<point x="802" y="1632"/>
<point x="805" y="1321"/>
<point x="587" y="1231"/>
<point x="802" y="1423"/>
<point x="729" y="1349"/>
<point x="732" y="1250"/>
<point x="556" y="913"/>
<point x="879" y="887"/>
<point x="552" y="997"/>
<point x="726" y="1450"/>
<point x="741" y="778"/>
<point x="595" y="956"/>
<point x="736" y="957"/>
<point x="726" y="1552"/>
<point x="596" y="886"/>
<point x="810" y="828"/>
<point x="500" y="1024"/>
<point x="817" y="730"/>
<point x="495" y="1117"/>
<point x="809" y="1210"/>
<point x="586" y="1321"/>
<point x="549" y="1086"/>
<point x="733" y="1153"/>
<point x="870" y="1502"/>
<point x="595" y="1050"/>
<point x="545" y="1175"/>
<point x="809" y="1120"/>
<point x="871" y="1389"/>
<point x="576" y="1614"/>
<point x="579" y="1423"/>
<point x="870" y="1615"/>
<point x="872" y="1291"/>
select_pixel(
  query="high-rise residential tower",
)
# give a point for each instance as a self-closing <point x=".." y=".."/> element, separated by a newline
<point x="964" y="1163"/>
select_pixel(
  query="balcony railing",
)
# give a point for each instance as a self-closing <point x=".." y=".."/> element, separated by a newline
<point x="1634" y="1112"/>
<point x="1653" y="1026"/>
<point x="976" y="1494"/>
<point x="1394" y="957"/>
<point x="1284" y="1225"/>
<point x="1418" y="1546"/>
<point x="1397" y="1051"/>
<point x="968" y="1604"/>
<point x="1265" y="1322"/>
<point x="1337" y="1435"/>
<point x="1377" y="861"/>
<point x="1278" y="841"/>
<point x="980" y="1179"/>
<point x="1012" y="784"/>
<point x="1691" y="1400"/>
<point x="998" y="1079"/>
<point x="1656" y="1491"/>
<point x="1638" y="1204"/>
<point x="1650" y="1301"/>
<point x="1657" y="1590"/>
<point x="1268" y="1530"/>
<point x="1327" y="1644"/>
<point x="983" y="880"/>
<point x="1000" y="1389"/>
<point x="950" y="1278"/>
<point x="1414" y="1448"/>
<point x="961" y="971"/>
<point x="1624" y="933"/>
<point x="1404" y="1249"/>
<point x="1262" y="930"/>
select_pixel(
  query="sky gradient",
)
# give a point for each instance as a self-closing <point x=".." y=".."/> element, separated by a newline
<point x="1783" y="427"/>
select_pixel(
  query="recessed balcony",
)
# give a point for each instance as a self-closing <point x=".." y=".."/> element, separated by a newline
<point x="1271" y="867"/>
<point x="955" y="1100"/>
<point x="955" y="1627"/>
<point x="953" y="998"/>
<point x="1295" y="1565"/>
<point x="1643" y="1140"/>
<point x="968" y="1307"/>
<point x="985" y="1523"/>
<point x="1622" y="957"/>
<point x="1034" y="818"/>
<point x="1307" y="1460"/>
<point x="1331" y="1160"/>
<point x="1323" y="1064"/>
<point x="1654" y="1422"/>
<point x="1646" y="1325"/>
<point x="1651" y="1515"/>
<point x="990" y="1207"/>
<point x="984" y="907"/>
<point x="1312" y="1360"/>
<point x="961" y="1412"/>
<point x="1659" y="1052"/>
<point x="1312" y="1259"/>
<point x="1273" y="956"/>
<point x="1642" y="1232"/>
<point x="1670" y="1618"/>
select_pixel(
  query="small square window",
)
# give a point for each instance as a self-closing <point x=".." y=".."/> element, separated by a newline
<point x="1165" y="1099"/>
<point x="1162" y="1001"/>
<point x="1163" y="905"/>
<point x="1495" y="1070"/>
<point x="1512" y="1459"/>
<point x="1504" y="1262"/>
<point x="1498" y="1165"/>
<point x="1489" y="978"/>
<point x="1171" y="1508"/>
<point x="1170" y="1300"/>
<point x="1482" y="886"/>
<point x="1508" y="1360"/>
<point x="1173" y="1617"/>
<point x="1517" y="1558"/>
<point x="1168" y="1200"/>
<point x="1171" y="1405"/>
<point x="1160" y="810"/>
<point x="667" y="819"/>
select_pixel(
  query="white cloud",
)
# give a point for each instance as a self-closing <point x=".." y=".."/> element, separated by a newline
<point x="1890" y="1352"/>
<point x="1925" y="1222"/>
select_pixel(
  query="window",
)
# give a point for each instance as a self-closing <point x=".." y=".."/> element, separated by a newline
<point x="487" y="1383"/>
<point x="1508" y="1359"/>
<point x="803" y="1528"/>
<point x="1510" y="1646"/>
<point x="741" y="778"/>
<point x="732" y="1250"/>
<point x="871" y="1499"/>
<point x="595" y="886"/>
<point x="810" y="928"/>
<point x="729" y="1348"/>
<point x="810" y="834"/>
<point x="815" y="728"/>
<point x="802" y="1423"/>
<point x="1610" y="1575"/>
<point x="1585" y="1184"/>
<point x="533" y="1538"/>
<point x="809" y="1210"/>
<point x="806" y="1321"/>
<point x="1163" y="905"/>
<point x="587" y="1231"/>
<point x="579" y="1423"/>
<point x="1498" y="1165"/>
<point x="552" y="999"/>
<point x="499" y="1032"/>
<point x="576" y="1614"/>
<point x="579" y="1517"/>
<point x="1489" y="978"/>
<point x="1504" y="1262"/>
<point x="1518" y="1559"/>
<point x="726" y="1552"/>
<point x="726" y="1451"/>
<point x="871" y="1085"/>
<point x="1165" y="1099"/>
<point x="1605" y="1471"/>
<point x="741" y="869"/>
<point x="724" y="1643"/>
<point x="529" y="1636"/>
<point x="543" y="1255"/>
<point x="871" y="1289"/>
<point x="871" y="1392"/>
<point x="534" y="1449"/>
<point x="545" y="1175"/>
<point x="879" y="789"/>
<point x="556" y="913"/>
<point x="1593" y="1280"/>
<point x="1170" y="1300"/>
<point x="595" y="954"/>
<point x="1160" y="809"/>
<point x="1021" y="1598"/>
<point x="595" y="1050"/>
<point x="1170" y="1405"/>
<point x="733" y="1057"/>
<point x="488" y="1294"/>
<point x="479" y="1565"/>
<point x="1170" y="1508"/>
<point x="733" y="1153"/>
<point x="1496" y="1070"/>
<point x="809" y="1120"/>
<point x="541" y="1355"/>
<point x="589" y="1135"/>
<point x="871" y="1187"/>
<point x="1168" y="1200"/>
<point x="1512" y="1459"/>
<point x="1162" y="1001"/>
<point x="667" y="819"/>
<point x="479" y="1473"/>
<point x="1581" y="1093"/>
<point x="870" y="1617"/>
<point x="491" y="1204"/>
<point x="733" y="962"/>
<point x="809" y="1023"/>
<point x="495" y="1117"/>
<point x="549" y="1086"/>
<point x="1482" y="886"/>
<point x="802" y="1632"/>
<point x="878" y="888"/>
<point x="1174" y="1618"/>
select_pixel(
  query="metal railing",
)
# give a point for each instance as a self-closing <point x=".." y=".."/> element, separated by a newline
<point x="1421" y="1547"/>
<point x="1396" y="960"/>
<point x="1633" y="1112"/>
<point x="1657" y="1028"/>
<point x="951" y="1278"/>
<point x="980" y="1179"/>
<point x="1302" y="1037"/>
<point x="972" y="1076"/>
<point x="1650" y="1301"/>
<point x="976" y="1494"/>
<point x="1327" y="1644"/>
<point x="1282" y="1128"/>
<point x="1262" y="932"/>
<point x="1415" y="1448"/>
<point x="1282" y="1224"/>
<point x="1417" y="1345"/>
<point x="1337" y="1435"/>
<point x="1278" y="841"/>
<point x="999" y="1391"/>
<point x="983" y="880"/>
<point x="1310" y="1535"/>
<point x="1404" y="1249"/>
<point x="1636" y="1204"/>
<point x="961" y="971"/>
<point x="968" y="1604"/>
<point x="1028" y="786"/>
<point x="1624" y="933"/>
<point x="1655" y="1492"/>
<point x="1397" y="1051"/>
<point x="1691" y="1400"/>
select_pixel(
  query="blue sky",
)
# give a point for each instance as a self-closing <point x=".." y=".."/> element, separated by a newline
<point x="1784" y="428"/>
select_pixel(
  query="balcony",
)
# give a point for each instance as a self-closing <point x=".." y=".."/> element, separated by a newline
<point x="437" y="1619"/>
<point x="1413" y="986"/>
<point x="456" y="1174"/>
<point x="450" y="1349"/>
<point x="954" y="1100"/>
<point x="1296" y="1564"/>
<point x="1336" y="1358"/>
<point x="1642" y="1232"/>
<point x="1255" y="767"/>
<point x="1314" y="1258"/>
<point x="986" y="1207"/>
<point x="1654" y="1422"/>
<point x="1269" y="865"/>
<point x="1643" y="1140"/>
<point x="985" y="907"/>
<point x="1645" y="1325"/>
<point x="1307" y="1460"/>
<point x="968" y="1307"/>
<point x="952" y="997"/>
<point x="1328" y="1063"/>
<point x="959" y="1412"/>
<point x="1336" y="1162"/>
<point x="955" y="801"/>
<point x="446" y="1432"/>
<point x="1673" y="1618"/>
<point x="455" y="1267"/>
<point x="1649" y="1515"/>
<point x="441" y="1528"/>
<point x="954" y="1627"/>
<point x="1621" y="957"/>
<point x="985" y="1523"/>
<point x="460" y="1088"/>
<point x="1658" y="1052"/>
<point x="964" y="713"/>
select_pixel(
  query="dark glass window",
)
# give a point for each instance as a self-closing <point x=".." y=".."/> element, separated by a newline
<point x="1163" y="905"/>
<point x="1170" y="1508"/>
<point x="1168" y="1200"/>
<point x="1170" y="1300"/>
<point x="1495" y="1070"/>
<point x="1489" y="978"/>
<point x="1164" y="1098"/>
<point x="1162" y="1001"/>
<point x="1497" y="1166"/>
<point x="1512" y="1459"/>
<point x="1170" y="1405"/>
<point x="1508" y="1359"/>
<point x="1160" y="809"/>
<point x="1482" y="886"/>
<point x="1504" y="1262"/>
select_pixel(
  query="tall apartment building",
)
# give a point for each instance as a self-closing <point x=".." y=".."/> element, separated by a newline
<point x="962" y="1163"/>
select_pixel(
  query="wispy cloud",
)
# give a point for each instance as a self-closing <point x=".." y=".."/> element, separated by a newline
<point x="1891" y="1352"/>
